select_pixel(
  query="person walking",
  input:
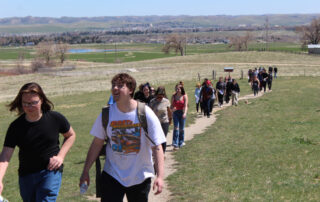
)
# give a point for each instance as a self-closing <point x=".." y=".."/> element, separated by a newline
<point x="228" y="82"/>
<point x="36" y="133"/>
<point x="206" y="96"/>
<point x="161" y="107"/>
<point x="265" y="77"/>
<point x="213" y="97"/>
<point x="235" y="89"/>
<point x="129" y="167"/>
<point x="179" y="106"/>
<point x="146" y="95"/>
<point x="255" y="85"/>
<point x="269" y="81"/>
<point x="221" y="88"/>
<point x="275" y="69"/>
<point x="197" y="96"/>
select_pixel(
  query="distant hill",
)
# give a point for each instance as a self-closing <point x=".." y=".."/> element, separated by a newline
<point x="64" y="24"/>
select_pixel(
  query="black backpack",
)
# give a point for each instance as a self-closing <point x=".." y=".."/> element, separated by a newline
<point x="105" y="121"/>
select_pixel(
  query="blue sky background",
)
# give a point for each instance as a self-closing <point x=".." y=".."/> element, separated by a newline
<point x="91" y="8"/>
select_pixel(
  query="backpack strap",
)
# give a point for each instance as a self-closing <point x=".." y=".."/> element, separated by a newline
<point x="105" y="117"/>
<point x="141" y="109"/>
<point x="105" y="121"/>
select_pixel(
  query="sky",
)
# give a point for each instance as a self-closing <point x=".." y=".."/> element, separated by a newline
<point x="93" y="8"/>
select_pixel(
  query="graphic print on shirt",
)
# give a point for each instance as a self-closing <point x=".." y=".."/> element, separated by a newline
<point x="125" y="137"/>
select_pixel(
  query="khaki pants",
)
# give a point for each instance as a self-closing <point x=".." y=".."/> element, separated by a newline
<point x="235" y="96"/>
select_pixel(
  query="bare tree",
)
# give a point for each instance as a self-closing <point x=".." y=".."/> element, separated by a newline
<point x="240" y="43"/>
<point x="61" y="51"/>
<point x="46" y="51"/>
<point x="310" y="34"/>
<point x="174" y="42"/>
<point x="20" y="63"/>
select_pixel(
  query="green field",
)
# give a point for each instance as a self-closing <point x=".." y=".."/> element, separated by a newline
<point x="14" y="53"/>
<point x="267" y="150"/>
<point x="121" y="53"/>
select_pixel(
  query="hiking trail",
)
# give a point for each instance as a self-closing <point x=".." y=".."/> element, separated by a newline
<point x="199" y="126"/>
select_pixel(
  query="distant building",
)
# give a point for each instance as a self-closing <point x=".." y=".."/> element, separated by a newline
<point x="30" y="44"/>
<point x="242" y="25"/>
<point x="314" y="48"/>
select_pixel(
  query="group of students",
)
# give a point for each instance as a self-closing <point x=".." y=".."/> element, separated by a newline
<point x="134" y="152"/>
<point x="206" y="94"/>
<point x="259" y="78"/>
<point x="176" y="109"/>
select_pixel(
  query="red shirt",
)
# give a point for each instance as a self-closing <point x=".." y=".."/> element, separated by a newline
<point x="178" y="104"/>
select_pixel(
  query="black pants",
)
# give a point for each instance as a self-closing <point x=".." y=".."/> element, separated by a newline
<point x="197" y="106"/>
<point x="269" y="85"/>
<point x="113" y="191"/>
<point x="207" y="105"/>
<point x="264" y="86"/>
<point x="228" y="94"/>
<point x="220" y="98"/>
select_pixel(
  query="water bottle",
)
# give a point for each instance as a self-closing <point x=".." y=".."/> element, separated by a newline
<point x="3" y="199"/>
<point x="83" y="188"/>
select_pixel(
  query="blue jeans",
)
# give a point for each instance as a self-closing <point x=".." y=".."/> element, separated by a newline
<point x="40" y="186"/>
<point x="178" y="130"/>
<point x="207" y="108"/>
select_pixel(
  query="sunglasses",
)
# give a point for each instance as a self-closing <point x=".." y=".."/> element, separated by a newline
<point x="30" y="104"/>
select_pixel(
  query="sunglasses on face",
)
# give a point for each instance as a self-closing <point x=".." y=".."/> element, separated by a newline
<point x="30" y="104"/>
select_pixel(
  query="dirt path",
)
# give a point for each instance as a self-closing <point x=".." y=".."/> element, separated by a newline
<point x="200" y="125"/>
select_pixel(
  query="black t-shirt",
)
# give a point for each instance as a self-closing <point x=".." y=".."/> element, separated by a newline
<point x="37" y="141"/>
<point x="220" y="86"/>
<point x="264" y="76"/>
<point x="236" y="88"/>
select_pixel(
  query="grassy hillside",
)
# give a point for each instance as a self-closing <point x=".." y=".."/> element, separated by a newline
<point x="238" y="161"/>
<point x="48" y="25"/>
<point x="81" y="110"/>
<point x="89" y="77"/>
<point x="267" y="150"/>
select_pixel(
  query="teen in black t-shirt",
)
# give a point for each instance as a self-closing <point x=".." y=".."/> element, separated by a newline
<point x="36" y="133"/>
<point x="37" y="141"/>
<point x="264" y="80"/>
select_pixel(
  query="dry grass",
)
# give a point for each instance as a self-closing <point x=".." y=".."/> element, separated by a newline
<point x="88" y="77"/>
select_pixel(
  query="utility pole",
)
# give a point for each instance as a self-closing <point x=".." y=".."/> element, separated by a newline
<point x="267" y="32"/>
<point x="115" y="51"/>
<point x="105" y="52"/>
<point x="185" y="43"/>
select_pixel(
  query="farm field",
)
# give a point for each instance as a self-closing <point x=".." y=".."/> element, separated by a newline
<point x="225" y="155"/>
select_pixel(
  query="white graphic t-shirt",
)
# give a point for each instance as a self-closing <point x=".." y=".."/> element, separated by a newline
<point x="129" y="155"/>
